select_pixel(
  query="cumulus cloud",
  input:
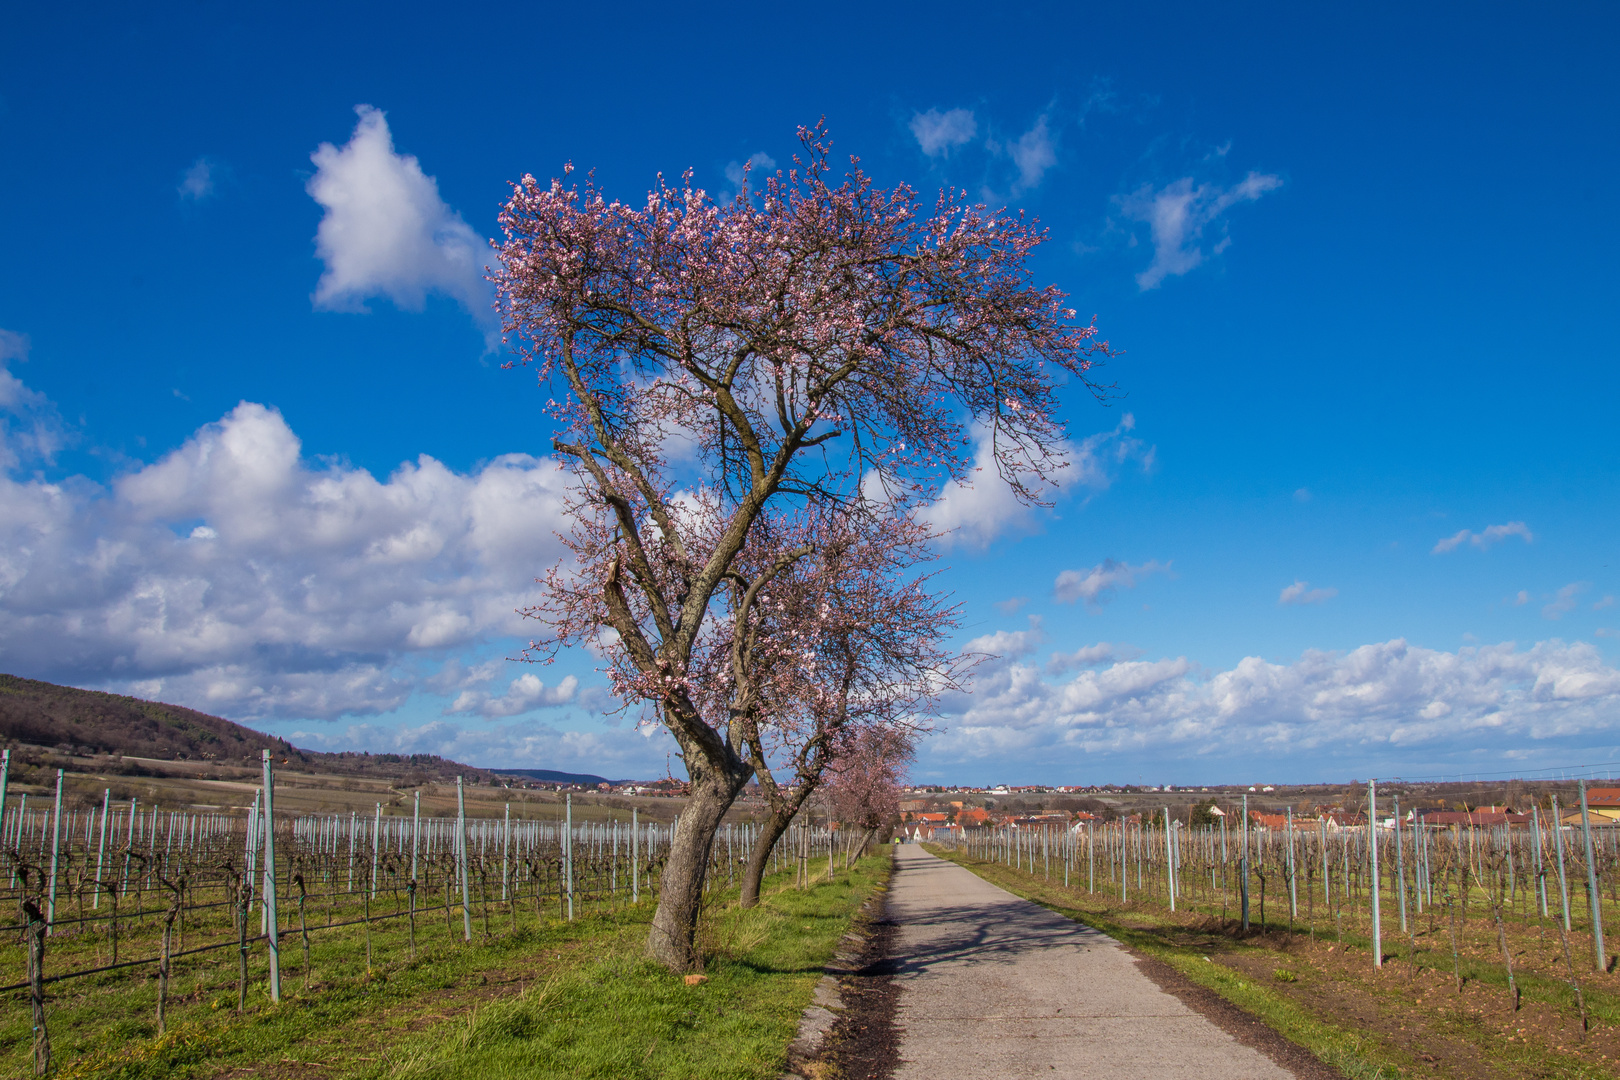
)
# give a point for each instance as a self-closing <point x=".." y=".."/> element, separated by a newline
<point x="1606" y="602"/>
<point x="1009" y="643"/>
<point x="974" y="514"/>
<point x="1565" y="600"/>
<point x="1483" y="539"/>
<point x="386" y="231"/>
<point x="938" y="133"/>
<point x="234" y="575"/>
<point x="1181" y="214"/>
<point x="1034" y="153"/>
<point x="1089" y="656"/>
<point x="197" y="183"/>
<point x="1097" y="585"/>
<point x="1522" y="598"/>
<point x="526" y="694"/>
<point x="1300" y="592"/>
<point x="1390" y="695"/>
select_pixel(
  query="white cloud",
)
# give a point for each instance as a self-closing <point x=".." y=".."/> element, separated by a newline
<point x="1606" y="602"/>
<point x="1010" y="605"/>
<point x="1300" y="592"/>
<point x="30" y="427"/>
<point x="756" y="162"/>
<point x="386" y="231"/>
<point x="1089" y="656"/>
<point x="526" y="694"/>
<point x="1483" y="539"/>
<point x="1565" y="600"/>
<point x="1033" y="153"/>
<point x="1009" y="643"/>
<point x="1391" y="695"/>
<point x="974" y="514"/>
<point x="197" y="183"/>
<point x="238" y="577"/>
<point x="938" y="133"/>
<point x="1178" y="216"/>
<point x="1302" y="495"/>
<point x="1522" y="598"/>
<point x="1096" y="586"/>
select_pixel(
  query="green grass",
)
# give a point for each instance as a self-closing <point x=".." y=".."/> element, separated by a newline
<point x="623" y="1016"/>
<point x="549" y="999"/>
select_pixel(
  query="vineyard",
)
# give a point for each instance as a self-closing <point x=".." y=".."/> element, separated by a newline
<point x="1495" y="931"/>
<point x="164" y="906"/>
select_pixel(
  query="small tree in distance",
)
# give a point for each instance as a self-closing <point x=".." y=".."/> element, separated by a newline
<point x="865" y="779"/>
<point x="828" y="344"/>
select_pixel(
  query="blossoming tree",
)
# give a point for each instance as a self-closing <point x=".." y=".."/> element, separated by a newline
<point x="848" y="647"/>
<point x="816" y="343"/>
<point x="864" y="781"/>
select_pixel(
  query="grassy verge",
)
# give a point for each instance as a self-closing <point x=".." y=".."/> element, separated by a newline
<point x="544" y="999"/>
<point x="1403" y="1020"/>
<point x="622" y="1016"/>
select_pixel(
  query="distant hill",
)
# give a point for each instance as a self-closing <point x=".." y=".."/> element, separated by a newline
<point x="551" y="776"/>
<point x="82" y="722"/>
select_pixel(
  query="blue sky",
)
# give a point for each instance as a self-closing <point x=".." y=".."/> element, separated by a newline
<point x="1354" y="513"/>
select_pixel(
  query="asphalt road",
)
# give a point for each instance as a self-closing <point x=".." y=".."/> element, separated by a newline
<point x="993" y="987"/>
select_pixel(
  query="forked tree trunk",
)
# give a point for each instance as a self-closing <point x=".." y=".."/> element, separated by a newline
<point x="674" y="925"/>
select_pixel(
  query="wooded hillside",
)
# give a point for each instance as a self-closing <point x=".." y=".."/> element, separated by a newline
<point x="89" y="722"/>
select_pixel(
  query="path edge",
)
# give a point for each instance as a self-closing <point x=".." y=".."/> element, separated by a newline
<point x="827" y="1003"/>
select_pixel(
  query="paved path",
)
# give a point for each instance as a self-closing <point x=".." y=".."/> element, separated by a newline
<point x="993" y="987"/>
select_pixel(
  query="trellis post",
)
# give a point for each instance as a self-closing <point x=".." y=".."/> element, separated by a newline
<point x="1243" y="866"/>
<point x="1372" y="851"/>
<point x="56" y="843"/>
<point x="1400" y="862"/>
<point x="272" y="925"/>
<point x="101" y="854"/>
<point x="461" y="843"/>
<point x="1594" y="898"/>
<point x="416" y="831"/>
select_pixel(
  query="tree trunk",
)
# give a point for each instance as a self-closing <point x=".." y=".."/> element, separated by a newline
<point x="680" y="899"/>
<point x="754" y="871"/>
<point x="859" y="849"/>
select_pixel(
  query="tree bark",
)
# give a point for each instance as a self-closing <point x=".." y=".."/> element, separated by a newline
<point x="758" y="859"/>
<point x="674" y="927"/>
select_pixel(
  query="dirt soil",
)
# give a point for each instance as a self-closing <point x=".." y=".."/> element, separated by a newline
<point x="1421" y="1014"/>
<point x="864" y="1043"/>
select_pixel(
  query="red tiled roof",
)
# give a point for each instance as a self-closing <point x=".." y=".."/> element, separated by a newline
<point x="1476" y="817"/>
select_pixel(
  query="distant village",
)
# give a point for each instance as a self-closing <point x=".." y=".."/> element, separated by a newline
<point x="929" y="810"/>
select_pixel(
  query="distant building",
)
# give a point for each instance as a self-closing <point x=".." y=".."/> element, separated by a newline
<point x="1602" y="802"/>
<point x="1486" y="817"/>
